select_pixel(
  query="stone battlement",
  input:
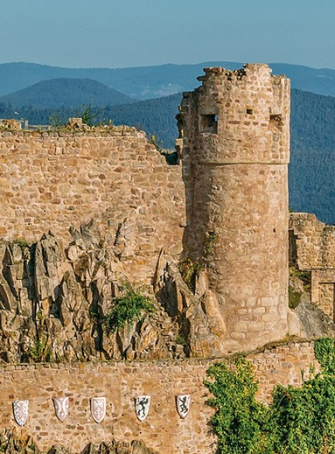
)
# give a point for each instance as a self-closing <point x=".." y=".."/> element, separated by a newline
<point x="234" y="142"/>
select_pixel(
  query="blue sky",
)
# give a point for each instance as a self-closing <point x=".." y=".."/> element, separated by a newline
<point x="121" y="33"/>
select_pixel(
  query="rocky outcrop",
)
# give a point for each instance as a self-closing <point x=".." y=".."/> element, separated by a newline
<point x="12" y="443"/>
<point x="314" y="323"/>
<point x="54" y="301"/>
<point x="201" y="325"/>
<point x="115" y="447"/>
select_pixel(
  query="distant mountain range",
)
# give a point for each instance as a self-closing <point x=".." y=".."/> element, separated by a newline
<point x="155" y="81"/>
<point x="55" y="93"/>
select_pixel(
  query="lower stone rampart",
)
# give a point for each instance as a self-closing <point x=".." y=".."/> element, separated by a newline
<point x="121" y="382"/>
<point x="286" y="364"/>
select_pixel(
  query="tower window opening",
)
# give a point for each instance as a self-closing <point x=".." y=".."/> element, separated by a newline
<point x="276" y="121"/>
<point x="209" y="123"/>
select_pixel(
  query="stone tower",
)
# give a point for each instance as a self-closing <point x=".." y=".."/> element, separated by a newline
<point x="234" y="143"/>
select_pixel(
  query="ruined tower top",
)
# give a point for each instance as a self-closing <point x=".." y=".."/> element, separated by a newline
<point x="247" y="107"/>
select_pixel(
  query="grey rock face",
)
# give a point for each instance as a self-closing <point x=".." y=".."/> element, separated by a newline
<point x="54" y="301"/>
<point x="12" y="443"/>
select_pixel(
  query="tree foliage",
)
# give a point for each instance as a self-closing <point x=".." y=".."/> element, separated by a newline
<point x="239" y="418"/>
<point x="300" y="419"/>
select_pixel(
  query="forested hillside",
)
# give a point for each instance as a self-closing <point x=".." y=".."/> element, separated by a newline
<point x="312" y="167"/>
<point x="55" y="93"/>
<point x="155" y="116"/>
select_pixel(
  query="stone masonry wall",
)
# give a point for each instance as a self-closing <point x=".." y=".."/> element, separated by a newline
<point x="234" y="140"/>
<point x="287" y="364"/>
<point x="120" y="383"/>
<point x="323" y="290"/>
<point x="312" y="242"/>
<point x="312" y="248"/>
<point x="53" y="180"/>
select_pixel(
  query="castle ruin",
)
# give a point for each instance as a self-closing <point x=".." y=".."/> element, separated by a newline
<point x="225" y="209"/>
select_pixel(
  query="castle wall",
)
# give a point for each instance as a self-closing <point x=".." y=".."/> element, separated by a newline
<point x="323" y="290"/>
<point x="54" y="180"/>
<point x="312" y="248"/>
<point x="120" y="383"/>
<point x="235" y="149"/>
<point x="312" y="242"/>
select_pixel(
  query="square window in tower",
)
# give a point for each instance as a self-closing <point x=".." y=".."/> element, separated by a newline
<point x="209" y="124"/>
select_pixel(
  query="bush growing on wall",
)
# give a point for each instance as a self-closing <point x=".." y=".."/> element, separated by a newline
<point x="299" y="421"/>
<point x="127" y="309"/>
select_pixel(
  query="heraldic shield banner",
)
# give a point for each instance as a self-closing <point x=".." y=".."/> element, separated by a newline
<point x="98" y="408"/>
<point x="61" y="407"/>
<point x="21" y="409"/>
<point x="183" y="404"/>
<point x="142" y="405"/>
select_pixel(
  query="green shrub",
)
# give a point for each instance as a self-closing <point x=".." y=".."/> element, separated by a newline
<point x="304" y="276"/>
<point x="189" y="271"/>
<point x="87" y="114"/>
<point x="239" y="417"/>
<point x="325" y="353"/>
<point x="301" y="420"/>
<point x="127" y="309"/>
<point x="181" y="339"/>
<point x="157" y="143"/>
<point x="209" y="243"/>
<point x="294" y="298"/>
<point x="41" y="351"/>
<point x="55" y="120"/>
<point x="22" y="243"/>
